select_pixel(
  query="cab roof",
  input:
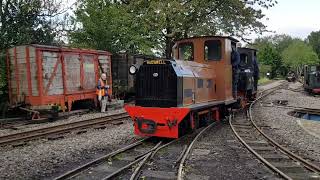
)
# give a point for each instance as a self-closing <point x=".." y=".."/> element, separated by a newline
<point x="200" y="37"/>
<point x="246" y="48"/>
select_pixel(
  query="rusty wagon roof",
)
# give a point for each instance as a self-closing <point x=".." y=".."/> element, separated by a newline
<point x="66" y="48"/>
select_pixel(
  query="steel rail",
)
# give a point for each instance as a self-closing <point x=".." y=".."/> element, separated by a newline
<point x="137" y="170"/>
<point x="298" y="108"/>
<point x="142" y="158"/>
<point x="307" y="164"/>
<point x="130" y="164"/>
<point x="38" y="133"/>
<point x="256" y="154"/>
<point x="75" y="171"/>
<point x="180" y="175"/>
<point x="148" y="156"/>
<point x="293" y="156"/>
<point x="181" y="155"/>
<point x="8" y="122"/>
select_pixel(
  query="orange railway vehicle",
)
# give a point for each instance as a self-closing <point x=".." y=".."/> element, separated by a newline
<point x="40" y="76"/>
<point x="176" y="96"/>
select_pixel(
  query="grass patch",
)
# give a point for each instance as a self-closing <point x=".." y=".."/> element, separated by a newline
<point x="264" y="81"/>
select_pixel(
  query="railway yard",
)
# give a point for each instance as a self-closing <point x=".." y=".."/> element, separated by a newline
<point x="102" y="146"/>
<point x="159" y="90"/>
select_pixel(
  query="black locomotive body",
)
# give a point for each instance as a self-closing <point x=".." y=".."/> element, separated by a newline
<point x="312" y="78"/>
<point x="248" y="71"/>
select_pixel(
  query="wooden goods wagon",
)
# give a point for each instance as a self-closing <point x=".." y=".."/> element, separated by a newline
<point x="41" y="76"/>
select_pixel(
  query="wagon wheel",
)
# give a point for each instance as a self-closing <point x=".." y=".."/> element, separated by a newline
<point x="4" y="109"/>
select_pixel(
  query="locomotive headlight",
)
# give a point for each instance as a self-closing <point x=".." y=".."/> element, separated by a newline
<point x="132" y="69"/>
<point x="247" y="70"/>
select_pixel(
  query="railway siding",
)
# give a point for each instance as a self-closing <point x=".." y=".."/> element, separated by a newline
<point x="78" y="126"/>
<point x="49" y="158"/>
<point x="297" y="137"/>
<point x="218" y="154"/>
<point x="71" y="119"/>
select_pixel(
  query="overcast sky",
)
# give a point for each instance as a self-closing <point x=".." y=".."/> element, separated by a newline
<point x="294" y="17"/>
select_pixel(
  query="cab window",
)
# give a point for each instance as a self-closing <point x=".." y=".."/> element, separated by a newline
<point x="209" y="83"/>
<point x="244" y="60"/>
<point x="212" y="50"/>
<point x="200" y="83"/>
<point x="186" y="51"/>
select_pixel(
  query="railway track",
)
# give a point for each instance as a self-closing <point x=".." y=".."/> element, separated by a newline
<point x="278" y="158"/>
<point x="316" y="110"/>
<point x="117" y="164"/>
<point x="17" y="122"/>
<point x="91" y="169"/>
<point x="306" y="110"/>
<point x="297" y="109"/>
<point x="22" y="137"/>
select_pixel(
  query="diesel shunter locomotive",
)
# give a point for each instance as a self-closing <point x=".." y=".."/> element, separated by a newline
<point x="175" y="96"/>
<point x="312" y="78"/>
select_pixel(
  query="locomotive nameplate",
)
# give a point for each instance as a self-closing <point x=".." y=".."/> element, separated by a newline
<point x="156" y="62"/>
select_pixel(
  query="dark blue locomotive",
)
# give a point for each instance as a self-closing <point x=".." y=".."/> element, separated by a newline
<point x="312" y="78"/>
<point x="248" y="71"/>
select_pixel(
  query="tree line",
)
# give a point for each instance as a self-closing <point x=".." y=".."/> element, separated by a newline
<point x="149" y="26"/>
<point x="134" y="26"/>
<point x="143" y="26"/>
<point x="26" y="22"/>
<point x="282" y="53"/>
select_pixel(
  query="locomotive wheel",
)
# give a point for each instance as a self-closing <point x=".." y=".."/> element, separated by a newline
<point x="185" y="126"/>
<point x="224" y="112"/>
<point x="4" y="109"/>
<point x="205" y="119"/>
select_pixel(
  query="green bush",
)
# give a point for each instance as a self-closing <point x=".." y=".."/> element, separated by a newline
<point x="264" y="69"/>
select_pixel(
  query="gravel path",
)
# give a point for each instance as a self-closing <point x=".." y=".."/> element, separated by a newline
<point x="58" y="122"/>
<point x="220" y="155"/>
<point x="44" y="158"/>
<point x="285" y="128"/>
<point x="270" y="85"/>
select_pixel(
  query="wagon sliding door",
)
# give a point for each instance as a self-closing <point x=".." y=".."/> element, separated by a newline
<point x="72" y="72"/>
<point x="88" y="75"/>
<point x="52" y="73"/>
<point x="80" y="73"/>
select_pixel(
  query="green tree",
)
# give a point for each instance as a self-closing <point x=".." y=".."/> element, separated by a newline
<point x="24" y="22"/>
<point x="278" y="41"/>
<point x="298" y="54"/>
<point x="108" y="25"/>
<point x="314" y="40"/>
<point x="175" y="19"/>
<point x="268" y="55"/>
<point x="282" y="41"/>
<point x="270" y="50"/>
<point x="27" y="21"/>
<point x="155" y="25"/>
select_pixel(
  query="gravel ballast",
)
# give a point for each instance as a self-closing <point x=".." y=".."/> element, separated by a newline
<point x="220" y="155"/>
<point x="288" y="130"/>
<point x="48" y="159"/>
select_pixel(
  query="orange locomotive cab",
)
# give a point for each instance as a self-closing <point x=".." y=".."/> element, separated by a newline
<point x="214" y="51"/>
<point x="176" y="96"/>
